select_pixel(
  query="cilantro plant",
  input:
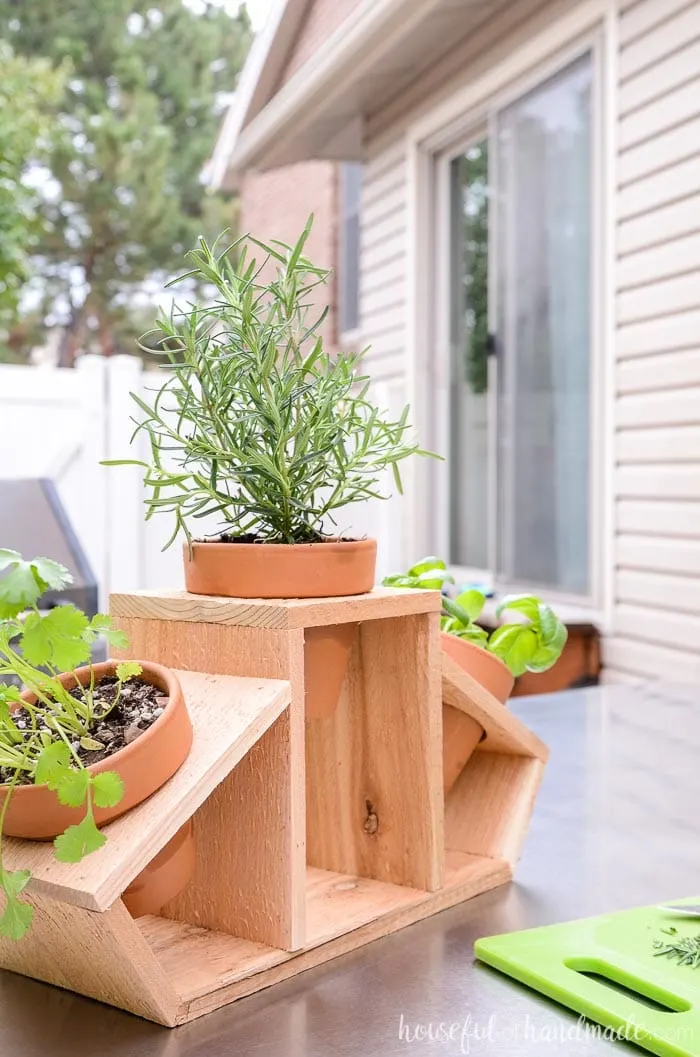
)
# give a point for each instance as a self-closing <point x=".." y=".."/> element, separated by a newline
<point x="255" y="421"/>
<point x="530" y="645"/>
<point x="40" y="738"/>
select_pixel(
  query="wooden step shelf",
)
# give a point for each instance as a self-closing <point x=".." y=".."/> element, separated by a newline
<point x="313" y="837"/>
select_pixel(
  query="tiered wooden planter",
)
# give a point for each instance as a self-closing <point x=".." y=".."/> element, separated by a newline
<point x="312" y="838"/>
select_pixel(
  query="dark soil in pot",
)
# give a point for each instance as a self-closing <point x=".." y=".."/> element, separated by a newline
<point x="140" y="704"/>
<point x="261" y="541"/>
<point x="146" y="738"/>
<point x="153" y="747"/>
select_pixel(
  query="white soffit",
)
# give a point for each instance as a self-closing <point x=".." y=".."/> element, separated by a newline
<point x="318" y="113"/>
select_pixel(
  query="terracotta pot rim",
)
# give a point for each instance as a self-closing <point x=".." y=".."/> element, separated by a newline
<point x="481" y="649"/>
<point x="330" y="544"/>
<point x="163" y="674"/>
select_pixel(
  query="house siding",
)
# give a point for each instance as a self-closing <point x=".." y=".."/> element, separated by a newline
<point x="320" y="22"/>
<point x="383" y="261"/>
<point x="655" y="630"/>
<point x="656" y="619"/>
<point x="653" y="569"/>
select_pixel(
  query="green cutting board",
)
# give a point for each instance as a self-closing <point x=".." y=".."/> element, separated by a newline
<point x="604" y="968"/>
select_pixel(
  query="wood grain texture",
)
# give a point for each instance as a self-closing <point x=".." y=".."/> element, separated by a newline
<point x="344" y="913"/>
<point x="280" y="614"/>
<point x="374" y="770"/>
<point x="271" y="784"/>
<point x="243" y="880"/>
<point x="384" y="848"/>
<point x="103" y="956"/>
<point x="229" y="715"/>
<point x="489" y="808"/>
<point x="217" y="648"/>
<point x="504" y="732"/>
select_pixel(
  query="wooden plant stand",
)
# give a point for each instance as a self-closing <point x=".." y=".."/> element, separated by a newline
<point x="313" y="838"/>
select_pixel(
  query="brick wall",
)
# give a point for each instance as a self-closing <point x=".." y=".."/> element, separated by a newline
<point x="276" y="205"/>
<point x="321" y="20"/>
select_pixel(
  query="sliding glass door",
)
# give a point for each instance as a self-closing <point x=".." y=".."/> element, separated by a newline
<point x="520" y="277"/>
<point x="469" y="327"/>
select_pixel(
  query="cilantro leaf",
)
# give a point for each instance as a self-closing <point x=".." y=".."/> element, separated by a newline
<point x="20" y="585"/>
<point x="56" y="638"/>
<point x="14" y="881"/>
<point x="107" y="789"/>
<point x="101" y="624"/>
<point x="128" y="669"/>
<point x="22" y="582"/>
<point x="9" y="558"/>
<point x="52" y="764"/>
<point x="79" y="841"/>
<point x="73" y="786"/>
<point x="54" y="575"/>
<point x="17" y="917"/>
<point x="9" y="693"/>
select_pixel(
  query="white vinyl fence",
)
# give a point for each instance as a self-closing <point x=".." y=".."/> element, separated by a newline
<point x="59" y="424"/>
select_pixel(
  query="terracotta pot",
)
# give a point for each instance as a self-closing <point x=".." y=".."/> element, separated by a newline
<point x="460" y="736"/>
<point x="35" y="813"/>
<point x="326" y="655"/>
<point x="281" y="570"/>
<point x="485" y="667"/>
<point x="460" y="733"/>
<point x="301" y="570"/>
<point x="164" y="877"/>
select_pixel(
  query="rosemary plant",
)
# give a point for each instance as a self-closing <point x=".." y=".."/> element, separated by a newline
<point x="255" y="422"/>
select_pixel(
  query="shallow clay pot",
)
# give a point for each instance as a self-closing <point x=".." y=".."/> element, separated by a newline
<point x="460" y="733"/>
<point x="485" y="667"/>
<point x="34" y="811"/>
<point x="164" y="877"/>
<point x="281" y="570"/>
<point x="299" y="570"/>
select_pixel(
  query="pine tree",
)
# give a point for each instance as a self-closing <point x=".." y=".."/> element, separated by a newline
<point x="123" y="197"/>
<point x="29" y="89"/>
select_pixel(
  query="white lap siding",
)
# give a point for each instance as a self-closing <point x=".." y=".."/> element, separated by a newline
<point x="656" y="622"/>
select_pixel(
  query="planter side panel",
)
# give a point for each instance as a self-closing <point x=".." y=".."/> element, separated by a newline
<point x="239" y="887"/>
<point x="488" y="810"/>
<point x="103" y="956"/>
<point x="374" y="772"/>
<point x="260" y="806"/>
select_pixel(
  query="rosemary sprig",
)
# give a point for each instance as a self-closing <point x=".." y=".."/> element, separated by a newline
<point x="256" y="421"/>
<point x="684" y="950"/>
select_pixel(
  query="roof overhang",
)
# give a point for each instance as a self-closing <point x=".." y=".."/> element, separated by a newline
<point x="319" y="112"/>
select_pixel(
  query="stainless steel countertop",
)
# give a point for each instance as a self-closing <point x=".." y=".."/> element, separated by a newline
<point x="616" y="826"/>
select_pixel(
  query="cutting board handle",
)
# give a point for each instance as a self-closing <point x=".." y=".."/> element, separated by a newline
<point x="633" y="996"/>
<point x="615" y="981"/>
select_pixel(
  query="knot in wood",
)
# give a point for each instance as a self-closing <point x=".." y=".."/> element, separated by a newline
<point x="371" y="823"/>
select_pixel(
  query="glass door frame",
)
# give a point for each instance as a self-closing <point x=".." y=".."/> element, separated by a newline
<point x="478" y="131"/>
<point x="456" y="139"/>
